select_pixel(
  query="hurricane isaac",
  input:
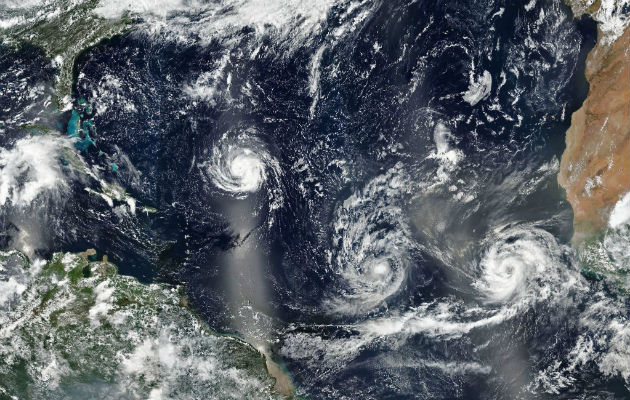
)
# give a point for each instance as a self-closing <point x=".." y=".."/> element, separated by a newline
<point x="314" y="199"/>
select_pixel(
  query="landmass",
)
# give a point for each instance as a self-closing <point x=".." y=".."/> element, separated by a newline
<point x="595" y="166"/>
<point x="73" y="327"/>
<point x="63" y="30"/>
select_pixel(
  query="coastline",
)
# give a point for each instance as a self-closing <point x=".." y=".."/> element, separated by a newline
<point x="594" y="169"/>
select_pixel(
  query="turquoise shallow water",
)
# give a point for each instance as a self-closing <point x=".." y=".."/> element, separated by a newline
<point x="373" y="203"/>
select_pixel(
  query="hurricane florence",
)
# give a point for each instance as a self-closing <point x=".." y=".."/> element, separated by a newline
<point x="239" y="164"/>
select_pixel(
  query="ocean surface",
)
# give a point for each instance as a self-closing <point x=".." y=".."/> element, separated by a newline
<point x="366" y="190"/>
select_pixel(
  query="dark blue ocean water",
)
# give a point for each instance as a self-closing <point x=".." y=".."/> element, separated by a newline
<point x="375" y="109"/>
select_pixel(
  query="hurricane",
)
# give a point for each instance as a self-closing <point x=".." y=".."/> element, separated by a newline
<point x="240" y="165"/>
<point x="373" y="245"/>
<point x="518" y="263"/>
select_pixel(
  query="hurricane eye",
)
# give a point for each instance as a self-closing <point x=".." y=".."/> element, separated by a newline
<point x="381" y="268"/>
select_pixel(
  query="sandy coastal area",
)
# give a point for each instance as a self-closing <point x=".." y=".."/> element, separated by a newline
<point x="595" y="166"/>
